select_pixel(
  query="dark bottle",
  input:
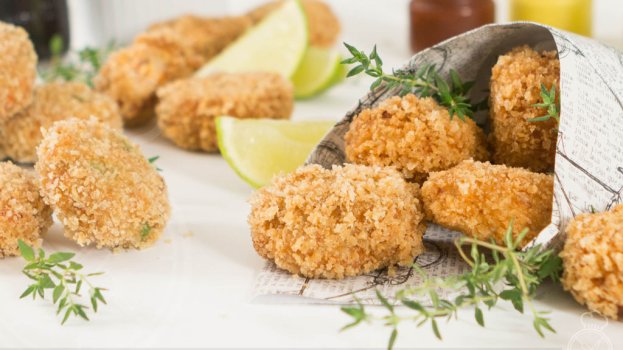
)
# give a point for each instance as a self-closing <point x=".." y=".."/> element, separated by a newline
<point x="433" y="21"/>
<point x="42" y="19"/>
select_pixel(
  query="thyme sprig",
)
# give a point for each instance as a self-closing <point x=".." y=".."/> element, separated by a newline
<point x="84" y="69"/>
<point x="519" y="272"/>
<point x="63" y="276"/>
<point x="549" y="103"/>
<point x="424" y="82"/>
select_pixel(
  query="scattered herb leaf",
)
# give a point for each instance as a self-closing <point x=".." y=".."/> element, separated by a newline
<point x="519" y="272"/>
<point x="64" y="277"/>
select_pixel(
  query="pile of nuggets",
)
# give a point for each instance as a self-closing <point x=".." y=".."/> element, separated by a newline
<point x="97" y="182"/>
<point x="410" y="163"/>
<point x="153" y="76"/>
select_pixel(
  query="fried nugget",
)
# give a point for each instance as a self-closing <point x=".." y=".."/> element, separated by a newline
<point x="593" y="261"/>
<point x="187" y="108"/>
<point x="23" y="214"/>
<point x="101" y="186"/>
<point x="324" y="26"/>
<point x="20" y="135"/>
<point x="132" y="75"/>
<point x="415" y="135"/>
<point x="205" y="36"/>
<point x="515" y="89"/>
<point x="18" y="70"/>
<point x="347" y="221"/>
<point x="481" y="200"/>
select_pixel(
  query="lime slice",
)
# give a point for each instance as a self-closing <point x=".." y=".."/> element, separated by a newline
<point x="277" y="44"/>
<point x="258" y="149"/>
<point x="317" y="72"/>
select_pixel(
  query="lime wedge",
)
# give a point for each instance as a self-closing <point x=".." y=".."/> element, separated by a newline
<point x="277" y="44"/>
<point x="258" y="149"/>
<point x="317" y="72"/>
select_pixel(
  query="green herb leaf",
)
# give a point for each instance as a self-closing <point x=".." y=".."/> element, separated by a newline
<point x="26" y="251"/>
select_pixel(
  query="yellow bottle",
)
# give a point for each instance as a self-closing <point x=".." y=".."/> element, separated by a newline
<point x="570" y="15"/>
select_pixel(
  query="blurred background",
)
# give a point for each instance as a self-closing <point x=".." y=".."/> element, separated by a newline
<point x="398" y="26"/>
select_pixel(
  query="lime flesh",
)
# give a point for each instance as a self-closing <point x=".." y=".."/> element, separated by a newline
<point x="259" y="149"/>
<point x="277" y="44"/>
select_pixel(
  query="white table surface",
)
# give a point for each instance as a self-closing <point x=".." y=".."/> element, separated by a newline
<point x="193" y="288"/>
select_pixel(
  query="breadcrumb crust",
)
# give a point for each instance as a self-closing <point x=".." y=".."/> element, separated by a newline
<point x="415" y="135"/>
<point x="18" y="70"/>
<point x="515" y="87"/>
<point x="101" y="186"/>
<point x="480" y="200"/>
<point x="167" y="51"/>
<point x="20" y="135"/>
<point x="23" y="214"/>
<point x="593" y="261"/>
<point x="347" y="221"/>
<point x="187" y="109"/>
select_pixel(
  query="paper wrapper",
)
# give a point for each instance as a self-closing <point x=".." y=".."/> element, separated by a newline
<point x="589" y="155"/>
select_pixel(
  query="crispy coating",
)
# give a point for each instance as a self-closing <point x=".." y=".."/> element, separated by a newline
<point x="515" y="87"/>
<point x="324" y="26"/>
<point x="18" y="70"/>
<point x="23" y="214"/>
<point x="101" y="186"/>
<point x="347" y="221"/>
<point x="480" y="200"/>
<point x="132" y="75"/>
<point x="187" y="108"/>
<point x="205" y="36"/>
<point x="20" y="135"/>
<point x="415" y="135"/>
<point x="593" y="261"/>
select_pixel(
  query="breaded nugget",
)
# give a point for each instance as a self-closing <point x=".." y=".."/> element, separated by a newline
<point x="205" y="36"/>
<point x="347" y="221"/>
<point x="23" y="214"/>
<point x="593" y="261"/>
<point x="415" y="135"/>
<point x="187" y="108"/>
<point x="20" y="135"/>
<point x="101" y="186"/>
<point x="18" y="70"/>
<point x="515" y="88"/>
<point x="481" y="200"/>
<point x="132" y="75"/>
<point x="324" y="26"/>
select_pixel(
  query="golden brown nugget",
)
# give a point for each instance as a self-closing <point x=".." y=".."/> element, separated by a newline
<point x="205" y="36"/>
<point x="593" y="261"/>
<point x="347" y="221"/>
<point x="324" y="26"/>
<point x="20" y="135"/>
<point x="101" y="186"/>
<point x="23" y="214"/>
<point x="481" y="200"/>
<point x="132" y="75"/>
<point x="187" y="108"/>
<point x="18" y="70"/>
<point x="515" y="87"/>
<point x="415" y="135"/>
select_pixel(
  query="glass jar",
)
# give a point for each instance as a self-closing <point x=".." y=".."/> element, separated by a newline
<point x="570" y="15"/>
<point x="433" y="21"/>
<point x="42" y="19"/>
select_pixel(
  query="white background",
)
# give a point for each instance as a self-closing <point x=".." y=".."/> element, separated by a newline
<point x="193" y="288"/>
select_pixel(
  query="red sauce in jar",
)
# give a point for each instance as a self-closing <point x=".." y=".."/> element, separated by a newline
<point x="433" y="21"/>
